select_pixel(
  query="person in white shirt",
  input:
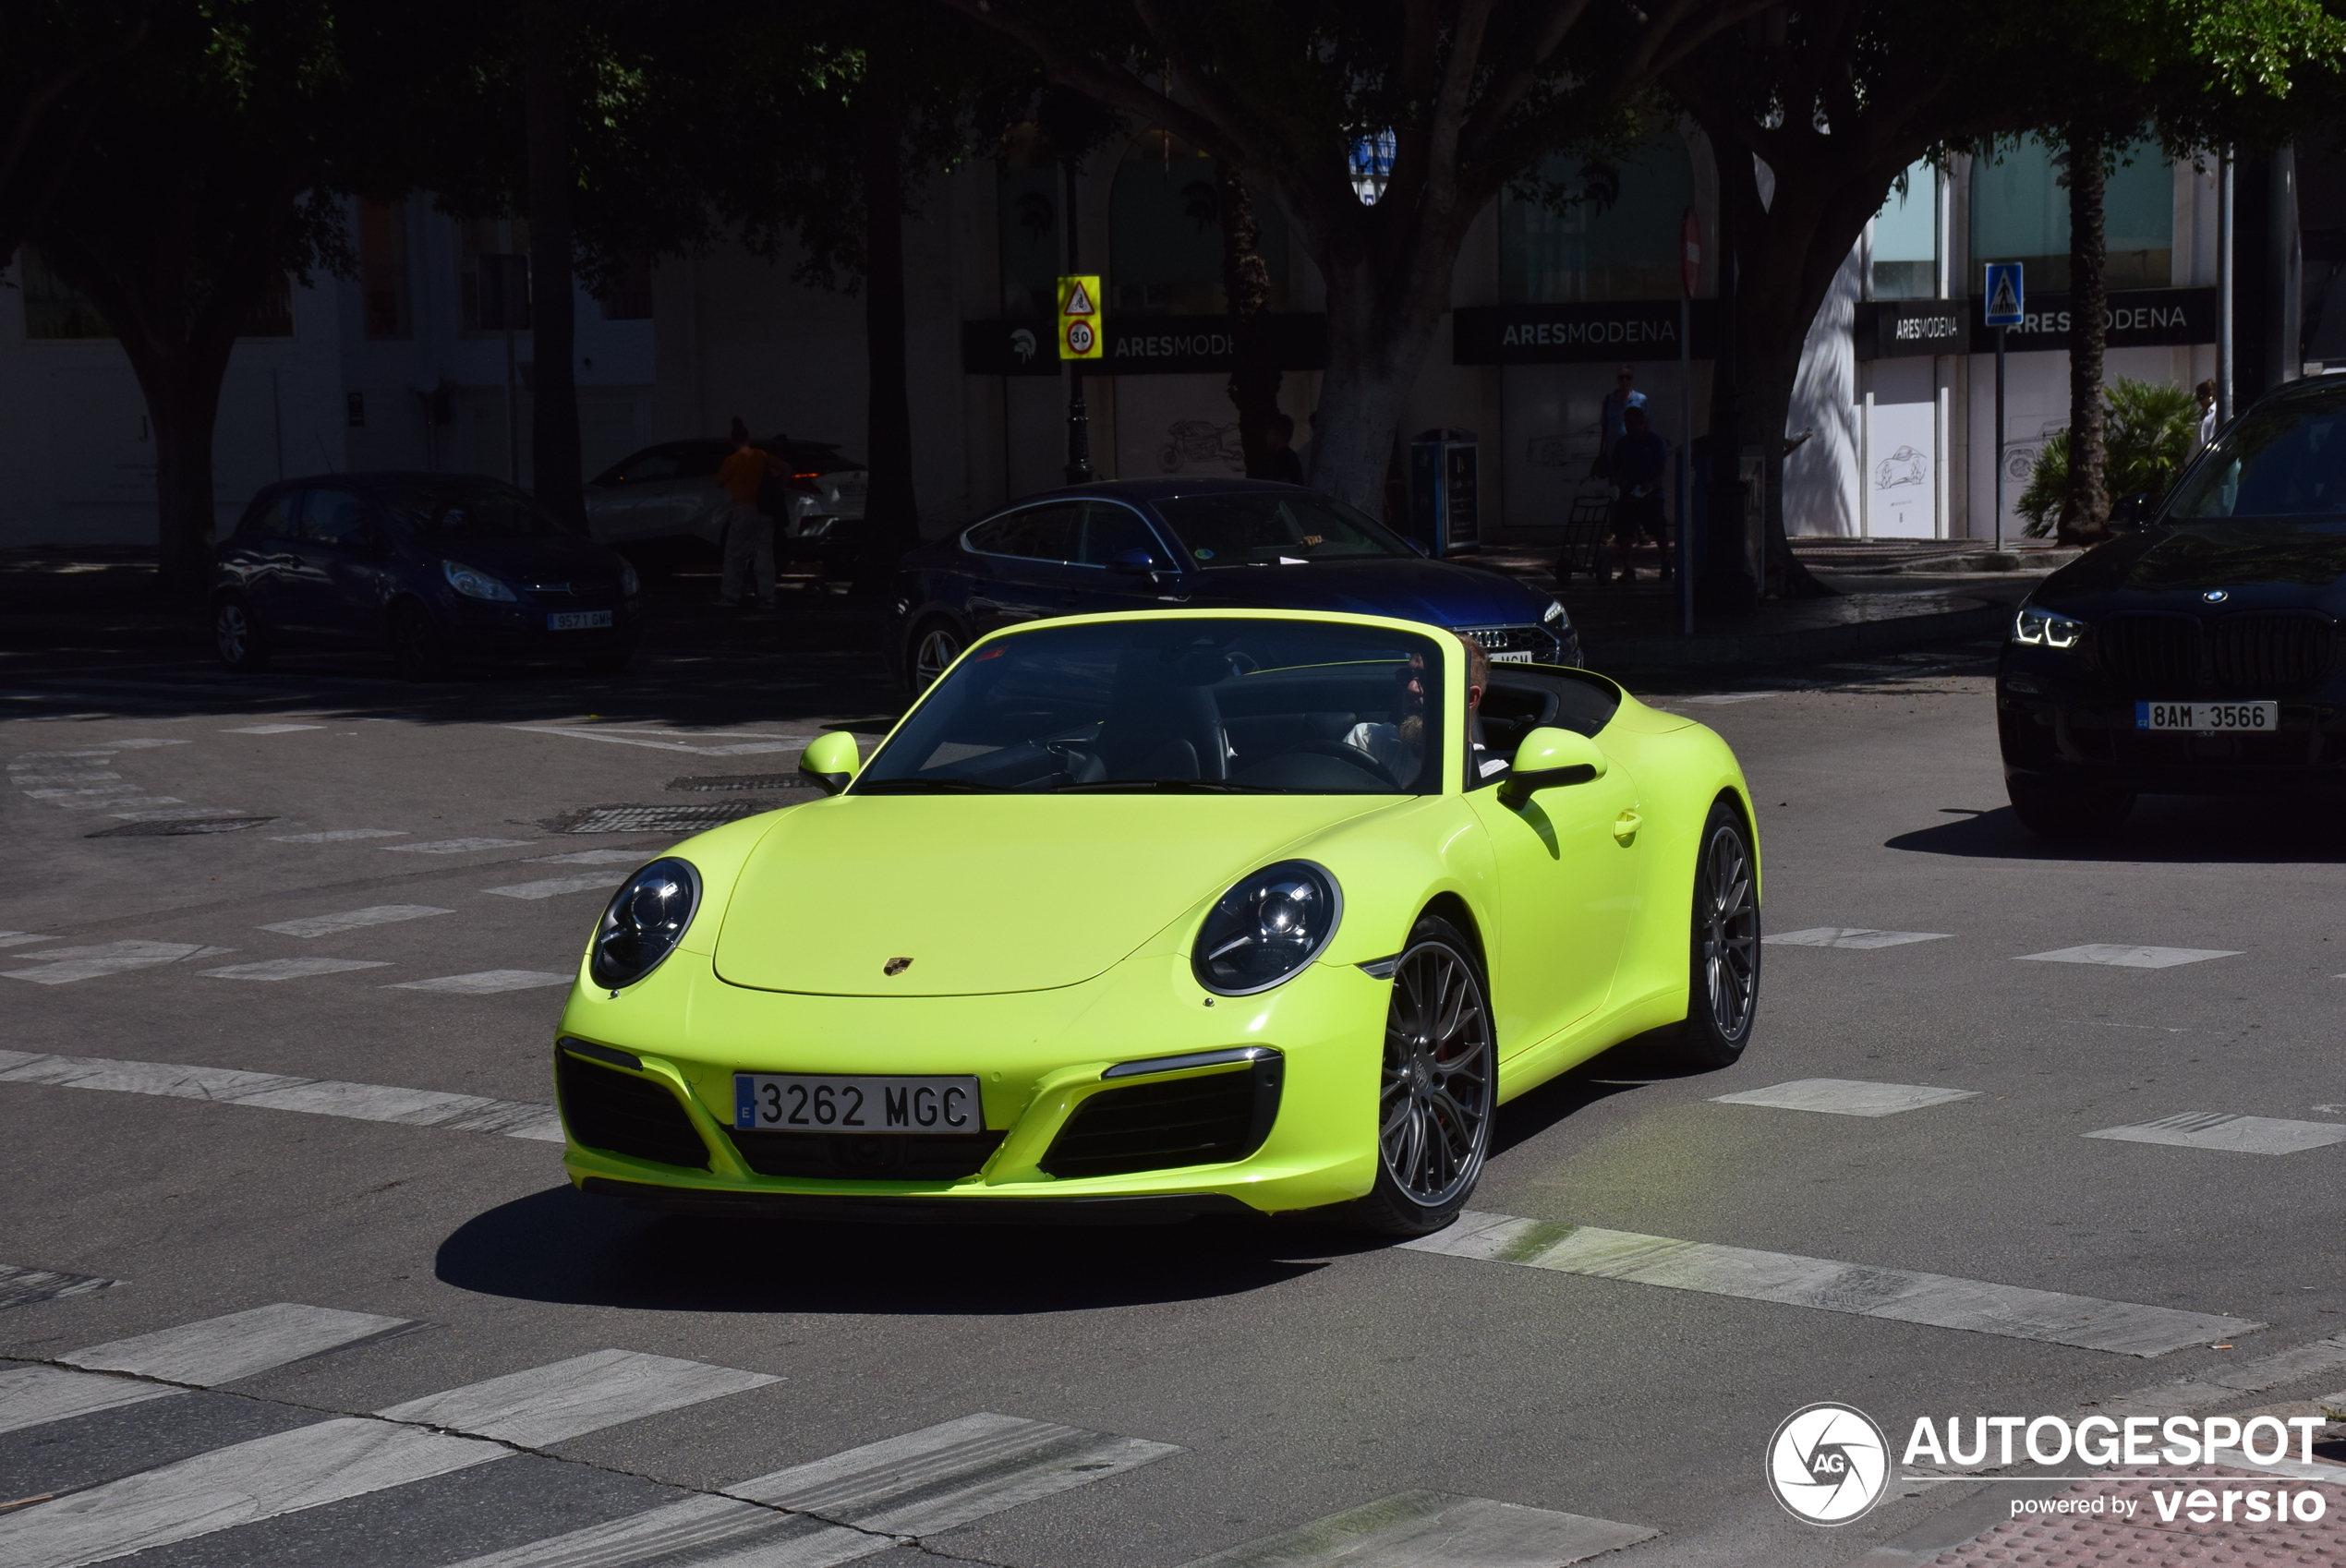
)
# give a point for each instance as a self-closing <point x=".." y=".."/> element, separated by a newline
<point x="2206" y="392"/>
<point x="1397" y="746"/>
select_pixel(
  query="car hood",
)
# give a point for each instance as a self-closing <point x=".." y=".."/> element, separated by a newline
<point x="547" y="558"/>
<point x="984" y="894"/>
<point x="2275" y="561"/>
<point x="1435" y="592"/>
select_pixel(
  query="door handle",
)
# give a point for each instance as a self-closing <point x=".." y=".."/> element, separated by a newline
<point x="1625" y="826"/>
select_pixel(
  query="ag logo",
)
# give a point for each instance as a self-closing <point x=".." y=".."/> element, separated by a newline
<point x="1828" y="1464"/>
<point x="1022" y="345"/>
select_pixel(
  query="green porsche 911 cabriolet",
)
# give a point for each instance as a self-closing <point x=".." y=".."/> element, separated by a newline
<point x="1146" y="916"/>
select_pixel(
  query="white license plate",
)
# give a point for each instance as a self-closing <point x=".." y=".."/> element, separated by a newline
<point x="800" y="1103"/>
<point x="577" y="619"/>
<point x="2255" y="717"/>
<point x="1522" y="656"/>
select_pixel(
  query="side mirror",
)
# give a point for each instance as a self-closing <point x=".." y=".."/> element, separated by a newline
<point x="830" y="762"/>
<point x="2130" y="512"/>
<point x="1136" y="563"/>
<point x="1548" y="758"/>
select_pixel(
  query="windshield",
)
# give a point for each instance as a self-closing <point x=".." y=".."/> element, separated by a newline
<point x="1268" y="527"/>
<point x="2284" y="459"/>
<point x="1177" y="706"/>
<point x="470" y="512"/>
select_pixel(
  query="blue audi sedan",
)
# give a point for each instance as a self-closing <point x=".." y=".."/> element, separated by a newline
<point x="1198" y="544"/>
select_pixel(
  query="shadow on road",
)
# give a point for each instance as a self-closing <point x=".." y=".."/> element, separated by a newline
<point x="1629" y="1066"/>
<point x="2164" y="829"/>
<point x="563" y="1246"/>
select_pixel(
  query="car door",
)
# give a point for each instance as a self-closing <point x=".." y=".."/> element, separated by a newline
<point x="262" y="555"/>
<point x="1569" y="863"/>
<point x="337" y="592"/>
<point x="620" y="504"/>
<point x="1109" y="530"/>
<point x="1022" y="565"/>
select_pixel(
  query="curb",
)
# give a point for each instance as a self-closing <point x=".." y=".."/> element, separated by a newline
<point x="1979" y="617"/>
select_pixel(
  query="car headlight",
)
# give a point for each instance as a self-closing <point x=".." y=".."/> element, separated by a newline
<point x="2047" y="628"/>
<point x="646" y="919"/>
<point x="1265" y="928"/>
<point x="1556" y="619"/>
<point x="474" y="585"/>
<point x="629" y="583"/>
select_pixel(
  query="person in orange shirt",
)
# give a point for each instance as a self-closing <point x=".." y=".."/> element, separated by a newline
<point x="749" y="537"/>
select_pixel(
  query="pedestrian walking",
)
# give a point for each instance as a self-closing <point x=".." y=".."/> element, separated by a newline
<point x="1280" y="462"/>
<point x="1623" y="397"/>
<point x="749" y="533"/>
<point x="2206" y="392"/>
<point x="1639" y="462"/>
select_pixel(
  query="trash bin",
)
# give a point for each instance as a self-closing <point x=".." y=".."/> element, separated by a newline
<point x="1445" y="513"/>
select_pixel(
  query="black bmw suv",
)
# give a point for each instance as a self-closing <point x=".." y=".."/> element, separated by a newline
<point x="2198" y="656"/>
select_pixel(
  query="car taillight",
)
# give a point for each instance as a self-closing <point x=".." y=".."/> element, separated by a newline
<point x="805" y="482"/>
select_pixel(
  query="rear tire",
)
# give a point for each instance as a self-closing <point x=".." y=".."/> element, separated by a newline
<point x="238" y="637"/>
<point x="1437" y="1087"/>
<point x="934" y="647"/>
<point x="2052" y="809"/>
<point x="1723" y="960"/>
<point x="418" y="649"/>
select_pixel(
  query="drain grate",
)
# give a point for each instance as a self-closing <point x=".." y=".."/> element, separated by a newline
<point x="710" y="783"/>
<point x="673" y="818"/>
<point x="178" y="828"/>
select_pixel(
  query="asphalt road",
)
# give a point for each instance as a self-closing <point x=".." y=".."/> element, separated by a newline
<point x="1244" y="1383"/>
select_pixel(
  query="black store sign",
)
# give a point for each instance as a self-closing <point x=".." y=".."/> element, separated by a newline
<point x="1574" y="335"/>
<point x="2150" y="318"/>
<point x="1141" y="345"/>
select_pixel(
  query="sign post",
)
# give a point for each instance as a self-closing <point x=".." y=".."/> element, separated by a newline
<point x="1082" y="335"/>
<point x="2007" y="303"/>
<point x="1689" y="274"/>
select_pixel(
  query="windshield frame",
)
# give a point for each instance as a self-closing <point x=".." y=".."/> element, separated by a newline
<point x="1444" y="692"/>
<point x="1397" y="547"/>
<point x="448" y="493"/>
<point x="2203" y="474"/>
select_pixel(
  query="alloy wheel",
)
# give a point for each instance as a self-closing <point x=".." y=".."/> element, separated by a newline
<point x="232" y="632"/>
<point x="1435" y="1111"/>
<point x="933" y="655"/>
<point x="1729" y="913"/>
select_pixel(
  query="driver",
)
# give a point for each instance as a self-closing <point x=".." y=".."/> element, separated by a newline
<point x="1399" y="746"/>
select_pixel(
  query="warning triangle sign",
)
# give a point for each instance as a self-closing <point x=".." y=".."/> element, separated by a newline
<point x="1079" y="301"/>
<point x="2004" y="302"/>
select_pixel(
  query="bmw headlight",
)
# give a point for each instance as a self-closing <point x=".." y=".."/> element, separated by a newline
<point x="473" y="584"/>
<point x="629" y="583"/>
<point x="1556" y="619"/>
<point x="1265" y="928"/>
<point x="646" y="919"/>
<point x="2047" y="628"/>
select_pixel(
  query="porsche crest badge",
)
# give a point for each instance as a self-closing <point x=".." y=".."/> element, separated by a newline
<point x="895" y="967"/>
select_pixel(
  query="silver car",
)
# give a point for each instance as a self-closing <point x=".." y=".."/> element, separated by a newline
<point x="670" y="492"/>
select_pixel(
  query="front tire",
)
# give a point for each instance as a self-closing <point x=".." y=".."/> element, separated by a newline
<point x="1723" y="978"/>
<point x="236" y="636"/>
<point x="418" y="649"/>
<point x="1437" y="1088"/>
<point x="2066" y="812"/>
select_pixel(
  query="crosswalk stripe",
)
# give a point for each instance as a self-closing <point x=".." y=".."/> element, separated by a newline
<point x="1896" y="1295"/>
<point x="1846" y="1096"/>
<point x="339" y="836"/>
<point x="487" y="981"/>
<point x="2124" y="955"/>
<point x="352" y="920"/>
<point x="2239" y="1135"/>
<point x="205" y="1354"/>
<point x="1433" y="1529"/>
<point x="554" y="886"/>
<point x="279" y="1092"/>
<point x="851" y="1505"/>
<point x="352" y="1456"/>
<point x="454" y="846"/>
<point x="21" y="1287"/>
<point x="1850" y="936"/>
<point x="62" y="966"/>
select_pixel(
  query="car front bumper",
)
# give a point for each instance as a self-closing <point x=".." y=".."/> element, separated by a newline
<point x="1039" y="1058"/>
<point x="2058" y="718"/>
<point x="488" y="630"/>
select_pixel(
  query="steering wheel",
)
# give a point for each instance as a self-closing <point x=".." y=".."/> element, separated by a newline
<point x="1343" y="753"/>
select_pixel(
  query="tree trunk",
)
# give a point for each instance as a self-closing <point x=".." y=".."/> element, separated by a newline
<point x="1246" y="287"/>
<point x="555" y="452"/>
<point x="182" y="389"/>
<point x="2084" y="511"/>
<point x="1377" y="340"/>
<point x="892" y="517"/>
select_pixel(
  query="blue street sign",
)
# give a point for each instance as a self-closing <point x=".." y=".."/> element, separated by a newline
<point x="2007" y="296"/>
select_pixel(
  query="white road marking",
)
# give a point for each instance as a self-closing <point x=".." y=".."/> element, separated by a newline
<point x="27" y="759"/>
<point x="21" y="1287"/>
<point x="1847" y="1097"/>
<point x="455" y="846"/>
<point x="91" y="776"/>
<point x="648" y="738"/>
<point x="281" y="1092"/>
<point x="2241" y="1135"/>
<point x="925" y="1482"/>
<point x="1897" y="1294"/>
<point x="486" y="983"/>
<point x="340" y="836"/>
<point x="221" y="1350"/>
<point x="2127" y="956"/>
<point x="352" y="920"/>
<point x="19" y="939"/>
<point x="1433" y="1529"/>
<point x="291" y="969"/>
<point x="140" y="745"/>
<point x="554" y="886"/>
<point x="33" y="1396"/>
<point x="89" y="793"/>
<point x="270" y="728"/>
<point x="62" y="966"/>
<point x="2218" y="1386"/>
<point x="352" y="1457"/>
<point x="1851" y="936"/>
<point x="593" y="857"/>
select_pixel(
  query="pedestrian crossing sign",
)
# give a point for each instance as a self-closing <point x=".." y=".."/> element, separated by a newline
<point x="1079" y="333"/>
<point x="2007" y="294"/>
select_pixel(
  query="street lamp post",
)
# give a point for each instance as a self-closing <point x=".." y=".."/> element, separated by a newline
<point x="1079" y="420"/>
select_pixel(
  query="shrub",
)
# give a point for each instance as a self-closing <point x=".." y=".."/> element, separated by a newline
<point x="2150" y="430"/>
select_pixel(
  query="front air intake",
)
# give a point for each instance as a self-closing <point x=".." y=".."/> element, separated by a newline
<point x="620" y="1114"/>
<point x="1206" y="1120"/>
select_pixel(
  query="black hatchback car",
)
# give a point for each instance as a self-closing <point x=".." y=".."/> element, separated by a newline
<point x="1134" y="544"/>
<point x="441" y="569"/>
<point x="2198" y="656"/>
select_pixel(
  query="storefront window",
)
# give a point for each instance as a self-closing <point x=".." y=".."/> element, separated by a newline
<point x="1606" y="231"/>
<point x="1906" y="237"/>
<point x="1165" y="233"/>
<point x="2020" y="213"/>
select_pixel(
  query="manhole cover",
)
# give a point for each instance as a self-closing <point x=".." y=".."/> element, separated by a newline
<point x="676" y="819"/>
<point x="710" y="783"/>
<point x="180" y="826"/>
